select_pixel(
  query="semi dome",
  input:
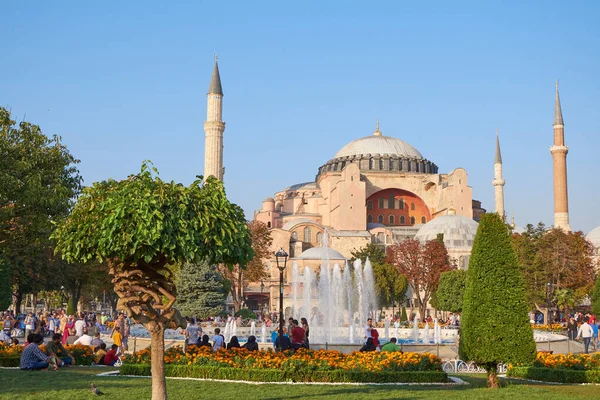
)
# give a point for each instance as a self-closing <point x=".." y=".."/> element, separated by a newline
<point x="379" y="144"/>
<point x="458" y="231"/>
<point x="321" y="253"/>
<point x="594" y="237"/>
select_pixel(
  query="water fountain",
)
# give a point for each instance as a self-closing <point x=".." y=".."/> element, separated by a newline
<point x="437" y="332"/>
<point x="426" y="338"/>
<point x="253" y="328"/>
<point x="339" y="303"/>
<point x="263" y="331"/>
<point x="415" y="335"/>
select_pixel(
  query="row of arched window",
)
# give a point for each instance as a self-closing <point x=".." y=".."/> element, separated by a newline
<point x="391" y="203"/>
<point x="307" y="236"/>
<point x="392" y="219"/>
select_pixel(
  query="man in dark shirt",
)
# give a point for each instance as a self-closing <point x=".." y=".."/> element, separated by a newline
<point x="55" y="349"/>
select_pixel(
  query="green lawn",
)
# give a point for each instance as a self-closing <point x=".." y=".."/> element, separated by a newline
<point x="74" y="383"/>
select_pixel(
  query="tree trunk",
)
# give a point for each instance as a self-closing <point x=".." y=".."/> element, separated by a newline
<point x="157" y="360"/>
<point x="18" y="302"/>
<point x="492" y="378"/>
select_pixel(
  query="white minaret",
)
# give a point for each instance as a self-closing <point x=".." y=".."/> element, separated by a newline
<point x="498" y="182"/>
<point x="214" y="127"/>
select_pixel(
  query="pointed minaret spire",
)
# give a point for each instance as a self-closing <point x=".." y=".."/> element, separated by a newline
<point x="498" y="159"/>
<point x="559" y="165"/>
<point x="558" y="119"/>
<point x="214" y="127"/>
<point x="498" y="182"/>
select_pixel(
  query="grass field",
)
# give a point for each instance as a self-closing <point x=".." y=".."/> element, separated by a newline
<point x="74" y="383"/>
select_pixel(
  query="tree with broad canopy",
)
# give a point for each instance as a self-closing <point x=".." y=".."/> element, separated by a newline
<point x="140" y="226"/>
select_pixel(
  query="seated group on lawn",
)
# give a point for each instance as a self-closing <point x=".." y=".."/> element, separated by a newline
<point x="33" y="358"/>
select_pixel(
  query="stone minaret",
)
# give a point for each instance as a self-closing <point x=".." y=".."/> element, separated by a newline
<point x="559" y="162"/>
<point x="498" y="182"/>
<point x="214" y="128"/>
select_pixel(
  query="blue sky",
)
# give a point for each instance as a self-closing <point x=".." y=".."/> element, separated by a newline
<point x="122" y="83"/>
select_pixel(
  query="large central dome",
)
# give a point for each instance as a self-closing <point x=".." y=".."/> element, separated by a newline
<point x="379" y="144"/>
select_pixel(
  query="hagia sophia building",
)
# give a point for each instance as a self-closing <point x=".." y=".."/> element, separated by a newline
<point x="375" y="189"/>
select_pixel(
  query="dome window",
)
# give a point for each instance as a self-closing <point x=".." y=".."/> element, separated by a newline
<point x="307" y="235"/>
<point x="423" y="220"/>
<point x="412" y="220"/>
<point x="402" y="220"/>
<point x="392" y="220"/>
<point x="380" y="219"/>
<point x="369" y="218"/>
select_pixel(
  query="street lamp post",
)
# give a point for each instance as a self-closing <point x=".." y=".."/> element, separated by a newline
<point x="262" y="287"/>
<point x="281" y="258"/>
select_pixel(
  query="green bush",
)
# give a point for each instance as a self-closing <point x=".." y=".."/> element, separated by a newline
<point x="245" y="314"/>
<point x="273" y="375"/>
<point x="403" y="316"/>
<point x="555" y="374"/>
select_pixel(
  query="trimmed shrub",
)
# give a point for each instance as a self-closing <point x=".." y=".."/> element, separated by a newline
<point x="10" y="361"/>
<point x="495" y="323"/>
<point x="273" y="375"/>
<point x="555" y="375"/>
<point x="245" y="314"/>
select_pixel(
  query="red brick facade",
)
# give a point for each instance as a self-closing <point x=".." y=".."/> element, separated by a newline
<point x="397" y="207"/>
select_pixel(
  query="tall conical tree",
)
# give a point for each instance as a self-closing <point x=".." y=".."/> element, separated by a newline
<point x="200" y="290"/>
<point x="495" y="323"/>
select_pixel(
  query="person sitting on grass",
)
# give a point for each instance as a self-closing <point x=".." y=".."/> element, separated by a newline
<point x="33" y="358"/>
<point x="205" y="341"/>
<point x="55" y="349"/>
<point x="96" y="341"/>
<point x="390" y="346"/>
<point x="112" y="356"/>
<point x="369" y="346"/>
<point x="251" y="344"/>
<point x="234" y="343"/>
<point x="99" y="354"/>
<point x="84" y="339"/>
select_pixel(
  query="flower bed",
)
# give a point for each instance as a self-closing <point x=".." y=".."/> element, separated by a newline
<point x="301" y="366"/>
<point x="10" y="355"/>
<point x="561" y="368"/>
<point x="548" y="328"/>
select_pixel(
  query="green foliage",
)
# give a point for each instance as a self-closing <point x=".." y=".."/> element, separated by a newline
<point x="143" y="217"/>
<point x="596" y="297"/>
<point x="495" y="325"/>
<point x="274" y="375"/>
<point x="374" y="252"/>
<point x="450" y="292"/>
<point x="199" y="290"/>
<point x="403" y="315"/>
<point x="5" y="289"/>
<point x="390" y="285"/>
<point x="71" y="306"/>
<point x="245" y="314"/>
<point x="10" y="362"/>
<point x="38" y="184"/>
<point x="555" y="375"/>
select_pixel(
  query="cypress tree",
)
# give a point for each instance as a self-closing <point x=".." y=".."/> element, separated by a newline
<point x="200" y="290"/>
<point x="495" y="324"/>
<point x="403" y="316"/>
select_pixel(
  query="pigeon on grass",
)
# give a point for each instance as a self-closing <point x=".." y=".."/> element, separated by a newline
<point x="96" y="391"/>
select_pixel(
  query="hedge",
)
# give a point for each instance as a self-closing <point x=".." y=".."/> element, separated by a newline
<point x="10" y="361"/>
<point x="555" y="374"/>
<point x="273" y="375"/>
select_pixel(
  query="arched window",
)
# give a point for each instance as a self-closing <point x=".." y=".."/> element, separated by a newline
<point x="412" y="220"/>
<point x="381" y="164"/>
<point x="319" y="239"/>
<point x="268" y="224"/>
<point x="294" y="237"/>
<point x="391" y="201"/>
<point x="380" y="219"/>
<point x="412" y="206"/>
<point x="307" y="235"/>
<point x="401" y="204"/>
<point x="371" y="163"/>
<point x="423" y="220"/>
<point x="380" y="237"/>
<point x="369" y="218"/>
<point x="392" y="220"/>
<point x="343" y="164"/>
<point x="402" y="220"/>
<point x="381" y="202"/>
<point x="391" y="166"/>
<point x="369" y="204"/>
